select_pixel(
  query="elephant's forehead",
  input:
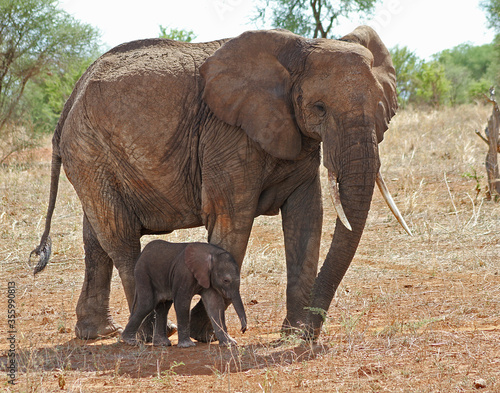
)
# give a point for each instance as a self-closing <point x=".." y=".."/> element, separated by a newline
<point x="333" y="55"/>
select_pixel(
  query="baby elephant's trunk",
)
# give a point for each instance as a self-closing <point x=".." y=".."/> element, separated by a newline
<point x="240" y="310"/>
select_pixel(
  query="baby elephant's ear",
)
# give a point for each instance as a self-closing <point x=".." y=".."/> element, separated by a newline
<point x="199" y="261"/>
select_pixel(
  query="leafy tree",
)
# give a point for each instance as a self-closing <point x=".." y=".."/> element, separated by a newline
<point x="177" y="34"/>
<point x="476" y="59"/>
<point x="460" y="81"/>
<point x="419" y="82"/>
<point x="492" y="8"/>
<point x="454" y="76"/>
<point x="477" y="89"/>
<point x="469" y="68"/>
<point x="44" y="97"/>
<point x="36" y="38"/>
<point x="407" y="66"/>
<point x="311" y="18"/>
<point x="432" y="85"/>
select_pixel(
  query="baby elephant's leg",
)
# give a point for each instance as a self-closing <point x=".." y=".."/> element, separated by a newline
<point x="182" y="304"/>
<point x="144" y="303"/>
<point x="215" y="306"/>
<point x="140" y="312"/>
<point x="160" y="331"/>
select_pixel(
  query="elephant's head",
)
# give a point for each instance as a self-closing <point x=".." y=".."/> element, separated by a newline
<point x="281" y="88"/>
<point x="215" y="268"/>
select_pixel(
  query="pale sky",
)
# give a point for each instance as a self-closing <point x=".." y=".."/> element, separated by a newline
<point x="425" y="26"/>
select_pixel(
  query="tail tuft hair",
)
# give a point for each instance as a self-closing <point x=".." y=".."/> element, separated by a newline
<point x="43" y="252"/>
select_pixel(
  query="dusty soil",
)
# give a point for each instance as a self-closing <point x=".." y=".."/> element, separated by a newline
<point x="413" y="314"/>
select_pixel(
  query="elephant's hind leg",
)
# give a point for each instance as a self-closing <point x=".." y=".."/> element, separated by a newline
<point x="160" y="336"/>
<point x="92" y="310"/>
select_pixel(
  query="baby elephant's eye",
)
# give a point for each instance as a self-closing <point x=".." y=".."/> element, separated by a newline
<point x="227" y="280"/>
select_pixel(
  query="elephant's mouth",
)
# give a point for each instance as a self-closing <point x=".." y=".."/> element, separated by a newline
<point x="337" y="203"/>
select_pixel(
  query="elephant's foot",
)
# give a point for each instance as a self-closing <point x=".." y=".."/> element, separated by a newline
<point x="90" y="330"/>
<point x="309" y="331"/>
<point x="297" y="328"/>
<point x="130" y="340"/>
<point x="311" y="334"/>
<point x="312" y="329"/>
<point x="161" y="341"/>
<point x="185" y="343"/>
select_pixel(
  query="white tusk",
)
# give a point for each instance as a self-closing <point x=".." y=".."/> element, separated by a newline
<point x="337" y="204"/>
<point x="390" y="202"/>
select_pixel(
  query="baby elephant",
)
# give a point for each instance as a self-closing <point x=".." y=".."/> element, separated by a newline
<point x="174" y="272"/>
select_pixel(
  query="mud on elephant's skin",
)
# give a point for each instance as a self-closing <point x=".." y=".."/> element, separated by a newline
<point x="160" y="135"/>
<point x="168" y="273"/>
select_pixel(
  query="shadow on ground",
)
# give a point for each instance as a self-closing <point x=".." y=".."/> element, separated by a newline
<point x="114" y="358"/>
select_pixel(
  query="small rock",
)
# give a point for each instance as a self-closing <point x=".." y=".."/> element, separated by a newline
<point x="480" y="383"/>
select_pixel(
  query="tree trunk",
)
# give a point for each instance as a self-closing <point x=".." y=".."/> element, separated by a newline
<point x="492" y="156"/>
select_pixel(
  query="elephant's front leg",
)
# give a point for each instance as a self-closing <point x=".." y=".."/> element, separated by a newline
<point x="302" y="224"/>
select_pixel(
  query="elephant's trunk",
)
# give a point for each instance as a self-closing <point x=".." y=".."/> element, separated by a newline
<point x="240" y="310"/>
<point x="356" y="170"/>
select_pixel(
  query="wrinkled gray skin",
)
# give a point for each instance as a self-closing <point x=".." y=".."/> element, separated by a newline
<point x="161" y="135"/>
<point x="169" y="273"/>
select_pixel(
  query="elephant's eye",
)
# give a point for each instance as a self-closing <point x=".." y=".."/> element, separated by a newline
<point x="320" y="108"/>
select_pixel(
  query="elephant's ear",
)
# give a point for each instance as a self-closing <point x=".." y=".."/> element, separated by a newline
<point x="246" y="86"/>
<point x="383" y="70"/>
<point x="198" y="259"/>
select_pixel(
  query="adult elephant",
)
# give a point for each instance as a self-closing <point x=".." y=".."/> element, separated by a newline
<point x="160" y="135"/>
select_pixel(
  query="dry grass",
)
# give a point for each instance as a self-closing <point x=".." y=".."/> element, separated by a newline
<point x="419" y="314"/>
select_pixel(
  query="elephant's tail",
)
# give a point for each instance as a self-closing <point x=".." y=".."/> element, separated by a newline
<point x="44" y="248"/>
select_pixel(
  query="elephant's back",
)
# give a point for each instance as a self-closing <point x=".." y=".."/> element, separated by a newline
<point x="156" y="55"/>
<point x="148" y="86"/>
<point x="140" y="93"/>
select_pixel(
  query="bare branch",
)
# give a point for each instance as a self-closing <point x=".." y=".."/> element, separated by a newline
<point x="478" y="133"/>
<point x="312" y="18"/>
